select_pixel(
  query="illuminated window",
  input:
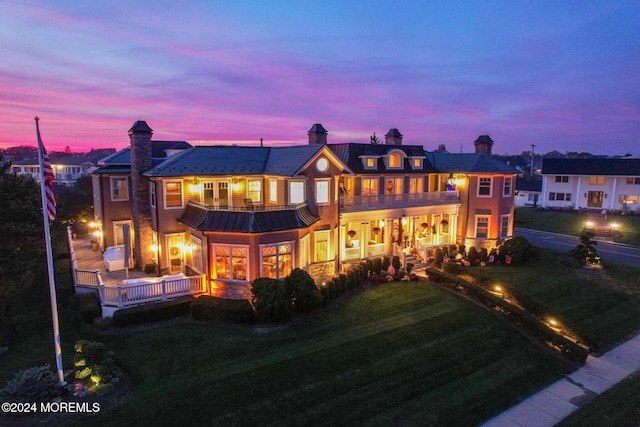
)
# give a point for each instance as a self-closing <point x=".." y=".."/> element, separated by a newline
<point x="596" y="180"/>
<point x="417" y="163"/>
<point x="277" y="260"/>
<point x="194" y="256"/>
<point x="395" y="160"/>
<point x="369" y="186"/>
<point x="296" y="192"/>
<point x="322" y="245"/>
<point x="416" y="185"/>
<point x="273" y="190"/>
<point x="173" y="194"/>
<point x="231" y="262"/>
<point x="484" y="187"/>
<point x="119" y="189"/>
<point x="369" y="162"/>
<point x="633" y="181"/>
<point x="254" y="190"/>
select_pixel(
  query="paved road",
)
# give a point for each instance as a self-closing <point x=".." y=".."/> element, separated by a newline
<point x="608" y="251"/>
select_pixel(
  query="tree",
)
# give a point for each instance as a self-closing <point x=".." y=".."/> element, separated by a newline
<point x="374" y="139"/>
<point x="585" y="252"/>
<point x="303" y="290"/>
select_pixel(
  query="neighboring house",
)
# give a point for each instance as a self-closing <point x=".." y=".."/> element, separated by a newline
<point x="237" y="213"/>
<point x="528" y="191"/>
<point x="486" y="188"/>
<point x="66" y="168"/>
<point x="599" y="184"/>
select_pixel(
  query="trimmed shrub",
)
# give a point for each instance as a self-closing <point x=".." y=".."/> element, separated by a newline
<point x="351" y="280"/>
<point x="452" y="268"/>
<point x="453" y="251"/>
<point x="88" y="306"/>
<point x="93" y="361"/>
<point x="473" y="256"/>
<point x="439" y="258"/>
<point x="385" y="263"/>
<point x="214" y="308"/>
<point x="518" y="248"/>
<point x="306" y="295"/>
<point x="271" y="300"/>
<point x="342" y="283"/>
<point x="462" y="249"/>
<point x="153" y="312"/>
<point x="35" y="384"/>
<point x="324" y="291"/>
<point x="377" y="265"/>
<point x="484" y="255"/>
<point x="333" y="290"/>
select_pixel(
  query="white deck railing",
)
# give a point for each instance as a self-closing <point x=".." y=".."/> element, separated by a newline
<point x="390" y="201"/>
<point x="138" y="291"/>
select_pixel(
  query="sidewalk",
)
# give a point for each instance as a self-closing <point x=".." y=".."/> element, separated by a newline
<point x="551" y="405"/>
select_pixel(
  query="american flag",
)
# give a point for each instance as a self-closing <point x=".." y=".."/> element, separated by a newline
<point x="48" y="178"/>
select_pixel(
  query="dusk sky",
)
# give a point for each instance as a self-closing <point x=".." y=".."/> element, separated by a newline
<point x="564" y="75"/>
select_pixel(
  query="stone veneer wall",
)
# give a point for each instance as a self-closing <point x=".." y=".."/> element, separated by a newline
<point x="231" y="290"/>
<point x="322" y="272"/>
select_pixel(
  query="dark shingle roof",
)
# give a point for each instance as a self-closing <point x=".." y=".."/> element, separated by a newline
<point x="120" y="161"/>
<point x="529" y="184"/>
<point x="237" y="160"/>
<point x="618" y="167"/>
<point x="351" y="154"/>
<point x="467" y="162"/>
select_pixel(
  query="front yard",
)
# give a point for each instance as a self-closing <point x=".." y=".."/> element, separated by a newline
<point x="573" y="223"/>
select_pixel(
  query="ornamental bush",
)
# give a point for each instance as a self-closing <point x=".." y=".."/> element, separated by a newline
<point x="303" y="290"/>
<point x="271" y="300"/>
<point x="518" y="248"/>
<point x="35" y="384"/>
<point x="213" y="308"/>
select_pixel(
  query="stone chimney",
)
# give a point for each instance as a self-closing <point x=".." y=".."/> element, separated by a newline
<point x="140" y="145"/>
<point x="393" y="137"/>
<point x="317" y="134"/>
<point x="483" y="145"/>
<point x="442" y="148"/>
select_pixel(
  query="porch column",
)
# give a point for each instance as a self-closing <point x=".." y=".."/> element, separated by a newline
<point x="612" y="196"/>
<point x="578" y="195"/>
<point x="364" y="239"/>
<point x="388" y="230"/>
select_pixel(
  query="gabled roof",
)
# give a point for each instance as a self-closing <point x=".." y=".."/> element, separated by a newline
<point x="120" y="162"/>
<point x="467" y="163"/>
<point x="589" y="167"/>
<point x="352" y="153"/>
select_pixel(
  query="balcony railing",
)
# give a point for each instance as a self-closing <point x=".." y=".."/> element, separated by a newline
<point x="391" y="201"/>
<point x="248" y="206"/>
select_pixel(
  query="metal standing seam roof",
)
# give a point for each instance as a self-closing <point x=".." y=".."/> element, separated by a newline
<point x="596" y="166"/>
<point x="260" y="221"/>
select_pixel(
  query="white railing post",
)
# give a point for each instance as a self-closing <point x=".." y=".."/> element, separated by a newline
<point x="119" y="295"/>
<point x="164" y="290"/>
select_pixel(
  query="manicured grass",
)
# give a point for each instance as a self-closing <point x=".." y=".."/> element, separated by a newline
<point x="617" y="407"/>
<point x="603" y="307"/>
<point x="574" y="223"/>
<point x="408" y="354"/>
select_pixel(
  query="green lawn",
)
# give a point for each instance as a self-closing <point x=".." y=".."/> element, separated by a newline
<point x="602" y="306"/>
<point x="574" y="223"/>
<point x="408" y="354"/>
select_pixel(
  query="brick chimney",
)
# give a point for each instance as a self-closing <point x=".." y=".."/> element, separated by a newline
<point x="140" y="145"/>
<point x="317" y="134"/>
<point x="483" y="145"/>
<point x="393" y="137"/>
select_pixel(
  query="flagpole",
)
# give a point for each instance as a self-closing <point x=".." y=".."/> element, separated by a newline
<point x="47" y="240"/>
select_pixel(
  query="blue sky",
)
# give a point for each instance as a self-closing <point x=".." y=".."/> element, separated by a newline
<point x="563" y="75"/>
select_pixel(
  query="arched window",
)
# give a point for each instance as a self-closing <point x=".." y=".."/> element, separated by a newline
<point x="394" y="160"/>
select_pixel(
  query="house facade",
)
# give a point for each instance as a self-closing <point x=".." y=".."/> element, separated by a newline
<point x="237" y="213"/>
<point x="611" y="184"/>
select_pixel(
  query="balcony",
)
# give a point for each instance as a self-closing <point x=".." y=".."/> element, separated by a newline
<point x="394" y="201"/>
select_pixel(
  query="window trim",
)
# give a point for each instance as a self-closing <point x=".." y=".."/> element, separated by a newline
<point x="481" y="186"/>
<point x="506" y="193"/>
<point x="164" y="193"/>
<point x="328" y="191"/>
<point x="153" y="195"/>
<point x="230" y="246"/>
<point x="126" y="189"/>
<point x="297" y="181"/>
<point x="502" y="218"/>
<point x="488" y="217"/>
<point x="273" y="190"/>
<point x="277" y="245"/>
<point x="249" y="192"/>
<point x="317" y="234"/>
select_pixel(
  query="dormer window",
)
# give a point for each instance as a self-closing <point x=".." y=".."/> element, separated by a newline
<point x="416" y="163"/>
<point x="395" y="161"/>
<point x="370" y="163"/>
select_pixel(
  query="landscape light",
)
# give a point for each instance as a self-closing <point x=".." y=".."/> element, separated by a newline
<point x="589" y="224"/>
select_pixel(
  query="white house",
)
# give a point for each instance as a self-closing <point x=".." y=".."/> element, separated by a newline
<point x="598" y="183"/>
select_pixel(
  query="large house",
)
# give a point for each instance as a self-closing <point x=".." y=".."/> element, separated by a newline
<point x="237" y="213"/>
<point x="611" y="184"/>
